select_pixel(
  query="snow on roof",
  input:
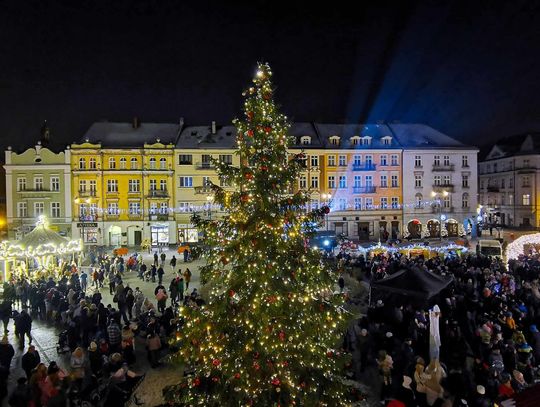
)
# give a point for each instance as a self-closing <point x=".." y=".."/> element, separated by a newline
<point x="422" y="136"/>
<point x="125" y="135"/>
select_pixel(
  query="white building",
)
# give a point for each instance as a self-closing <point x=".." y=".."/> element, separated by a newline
<point x="509" y="181"/>
<point x="439" y="182"/>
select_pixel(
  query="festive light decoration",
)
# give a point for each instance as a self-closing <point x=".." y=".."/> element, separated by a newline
<point x="393" y="249"/>
<point x="271" y="319"/>
<point x="516" y="248"/>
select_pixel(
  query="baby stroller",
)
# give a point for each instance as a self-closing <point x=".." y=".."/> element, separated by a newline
<point x="63" y="346"/>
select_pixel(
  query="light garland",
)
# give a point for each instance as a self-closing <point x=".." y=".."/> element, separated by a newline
<point x="515" y="249"/>
<point x="392" y="249"/>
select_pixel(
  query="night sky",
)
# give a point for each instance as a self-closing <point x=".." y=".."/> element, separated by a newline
<point x="470" y="69"/>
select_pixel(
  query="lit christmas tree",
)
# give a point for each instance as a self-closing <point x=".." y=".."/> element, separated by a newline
<point x="269" y="333"/>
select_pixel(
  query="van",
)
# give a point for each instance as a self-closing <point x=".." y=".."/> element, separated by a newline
<point x="490" y="248"/>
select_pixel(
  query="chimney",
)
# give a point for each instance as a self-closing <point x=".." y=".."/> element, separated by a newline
<point x="45" y="133"/>
<point x="136" y="122"/>
<point x="214" y="127"/>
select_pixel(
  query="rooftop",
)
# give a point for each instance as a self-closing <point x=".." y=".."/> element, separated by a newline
<point x="126" y="135"/>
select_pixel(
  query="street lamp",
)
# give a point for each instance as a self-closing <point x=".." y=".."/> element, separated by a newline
<point x="438" y="195"/>
<point x="327" y="198"/>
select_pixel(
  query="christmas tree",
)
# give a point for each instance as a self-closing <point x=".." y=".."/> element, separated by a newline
<point x="269" y="333"/>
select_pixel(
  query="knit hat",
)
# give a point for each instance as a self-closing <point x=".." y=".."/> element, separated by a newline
<point x="480" y="389"/>
<point x="93" y="346"/>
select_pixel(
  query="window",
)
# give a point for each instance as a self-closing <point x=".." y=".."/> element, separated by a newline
<point x="133" y="163"/>
<point x="494" y="167"/>
<point x="315" y="181"/>
<point x="418" y="161"/>
<point x="92" y="163"/>
<point x="93" y="187"/>
<point x="225" y="159"/>
<point x="152" y="163"/>
<point x="526" y="181"/>
<point x="39" y="208"/>
<point x="302" y="182"/>
<point x="22" y="210"/>
<point x="38" y="183"/>
<point x="357" y="161"/>
<point x="342" y="182"/>
<point x="395" y="202"/>
<point x="369" y="203"/>
<point x="55" y="209"/>
<point x="464" y="161"/>
<point x="446" y="202"/>
<point x="503" y="183"/>
<point x="123" y="163"/>
<point x="510" y="199"/>
<point x="355" y="140"/>
<point x="369" y="161"/>
<point x="446" y="160"/>
<point x="134" y="208"/>
<point x="206" y="181"/>
<point x="511" y="183"/>
<point x="153" y="208"/>
<point x="82" y="185"/>
<point x="384" y="181"/>
<point x="21" y="184"/>
<point x="331" y="181"/>
<point x="134" y="185"/>
<point x="112" y="208"/>
<point x="446" y="180"/>
<point x="314" y="160"/>
<point x="331" y="160"/>
<point x="206" y="161"/>
<point x="465" y="181"/>
<point x="164" y="208"/>
<point x="305" y="140"/>
<point x="437" y="160"/>
<point x="526" y="199"/>
<point x="334" y="140"/>
<point x="185" y="207"/>
<point x="384" y="159"/>
<point x="82" y="164"/>
<point x="357" y="181"/>
<point x="387" y="141"/>
<point x="186" y="182"/>
<point x="394" y="181"/>
<point x="153" y="185"/>
<point x="357" y="203"/>
<point x="369" y="180"/>
<point x="162" y="163"/>
<point x="112" y="185"/>
<point x="394" y="158"/>
<point x="465" y="200"/>
<point x="55" y="184"/>
<point x="163" y="184"/>
<point x="437" y="180"/>
<point x="418" y="181"/>
<point x="366" y="141"/>
<point x="418" y="200"/>
<point x="185" y="159"/>
<point x="342" y="160"/>
<point x="112" y="163"/>
<point x="342" y="204"/>
<point x="384" y="203"/>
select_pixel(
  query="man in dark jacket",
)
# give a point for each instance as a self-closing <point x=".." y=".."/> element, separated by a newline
<point x="23" y="325"/>
<point x="22" y="394"/>
<point x="6" y="353"/>
<point x="5" y="313"/>
<point x="30" y="360"/>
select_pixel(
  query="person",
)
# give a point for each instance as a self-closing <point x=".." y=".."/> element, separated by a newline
<point x="83" y="279"/>
<point x="186" y="254"/>
<point x="385" y="363"/>
<point x="173" y="289"/>
<point x="23" y="326"/>
<point x="30" y="360"/>
<point x="155" y="259"/>
<point x="115" y="335"/>
<point x="78" y="363"/>
<point x="21" y="395"/>
<point x="153" y="346"/>
<point x="6" y="353"/>
<point x="142" y="271"/>
<point x="160" y="273"/>
<point x="5" y="313"/>
<point x="341" y="283"/>
<point x="130" y="300"/>
<point x="173" y="263"/>
<point x="161" y="298"/>
<point x="187" y="277"/>
<point x="180" y="289"/>
<point x="163" y="256"/>
<point x="128" y="345"/>
<point x="153" y="272"/>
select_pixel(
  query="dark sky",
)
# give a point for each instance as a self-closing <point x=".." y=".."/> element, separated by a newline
<point x="470" y="69"/>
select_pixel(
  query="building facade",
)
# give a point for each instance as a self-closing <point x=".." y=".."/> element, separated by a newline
<point x="439" y="183"/>
<point x="38" y="182"/>
<point x="509" y="178"/>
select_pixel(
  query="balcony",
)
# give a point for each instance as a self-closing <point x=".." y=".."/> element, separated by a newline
<point x="439" y="167"/>
<point x="34" y="190"/>
<point x="364" y="167"/>
<point x="206" y="189"/>
<point x="186" y="162"/>
<point x="135" y="216"/>
<point x="492" y="188"/>
<point x="204" y="166"/>
<point x="442" y="188"/>
<point x="87" y="194"/>
<point x="112" y="216"/>
<point x="88" y="218"/>
<point x="435" y="209"/>
<point x="364" y="190"/>
<point x="158" y="193"/>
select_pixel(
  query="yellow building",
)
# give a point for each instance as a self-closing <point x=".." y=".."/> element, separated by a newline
<point x="123" y="184"/>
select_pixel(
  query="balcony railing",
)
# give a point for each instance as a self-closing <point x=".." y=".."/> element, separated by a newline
<point x="35" y="190"/>
<point x="206" y="189"/>
<point x="158" y="193"/>
<point x="159" y="216"/>
<point x="435" y="209"/>
<point x="364" y="190"/>
<point x="112" y="216"/>
<point x="443" y="188"/>
<point x="86" y="194"/>
<point x="364" y="167"/>
<point x="441" y="167"/>
<point x="204" y="166"/>
<point x="135" y="216"/>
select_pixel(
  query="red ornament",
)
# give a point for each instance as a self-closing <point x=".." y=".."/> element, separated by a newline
<point x="244" y="197"/>
<point x="249" y="133"/>
<point x="302" y="385"/>
<point x="264" y="168"/>
<point x="216" y="362"/>
<point x="256" y="355"/>
<point x="256" y="366"/>
<point x="285" y="364"/>
<point x="321" y="307"/>
<point x="276" y="382"/>
<point x="267" y="96"/>
<point x="326" y="209"/>
<point x="267" y="129"/>
<point x="281" y="336"/>
<point x="249" y="175"/>
<point x="231" y="293"/>
<point x="215" y="379"/>
<point x="237" y="375"/>
<point x="329" y="354"/>
<point x="196" y="382"/>
<point x="249" y="115"/>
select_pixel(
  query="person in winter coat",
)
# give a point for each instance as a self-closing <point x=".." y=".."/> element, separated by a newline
<point x="22" y="394"/>
<point x="535" y="343"/>
<point x="173" y="290"/>
<point x="23" y="326"/>
<point x="30" y="360"/>
<point x="95" y="358"/>
<point x="153" y="346"/>
<point x="161" y="298"/>
<point x="78" y="363"/>
<point x="180" y="288"/>
<point x="160" y="273"/>
<point x="187" y="277"/>
<point x="153" y="273"/>
<point x="6" y="353"/>
<point x="173" y="263"/>
<point x="130" y="300"/>
<point x="5" y="313"/>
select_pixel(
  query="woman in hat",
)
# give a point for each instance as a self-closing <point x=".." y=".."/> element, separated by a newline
<point x="78" y="363"/>
<point x="95" y="358"/>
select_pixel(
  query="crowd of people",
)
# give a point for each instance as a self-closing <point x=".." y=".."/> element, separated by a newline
<point x="100" y="339"/>
<point x="489" y="320"/>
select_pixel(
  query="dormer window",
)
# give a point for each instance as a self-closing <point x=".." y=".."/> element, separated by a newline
<point x="334" y="140"/>
<point x="305" y="140"/>
<point x="355" y="140"/>
<point x="366" y="141"/>
<point x="387" y="140"/>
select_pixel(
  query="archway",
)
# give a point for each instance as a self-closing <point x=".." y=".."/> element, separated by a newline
<point x="452" y="228"/>
<point x="414" y="227"/>
<point x="434" y="228"/>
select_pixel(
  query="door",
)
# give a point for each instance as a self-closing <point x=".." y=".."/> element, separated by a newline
<point x="395" y="229"/>
<point x="433" y="228"/>
<point x="138" y="237"/>
<point x="452" y="229"/>
<point x="415" y="229"/>
<point x="363" y="230"/>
